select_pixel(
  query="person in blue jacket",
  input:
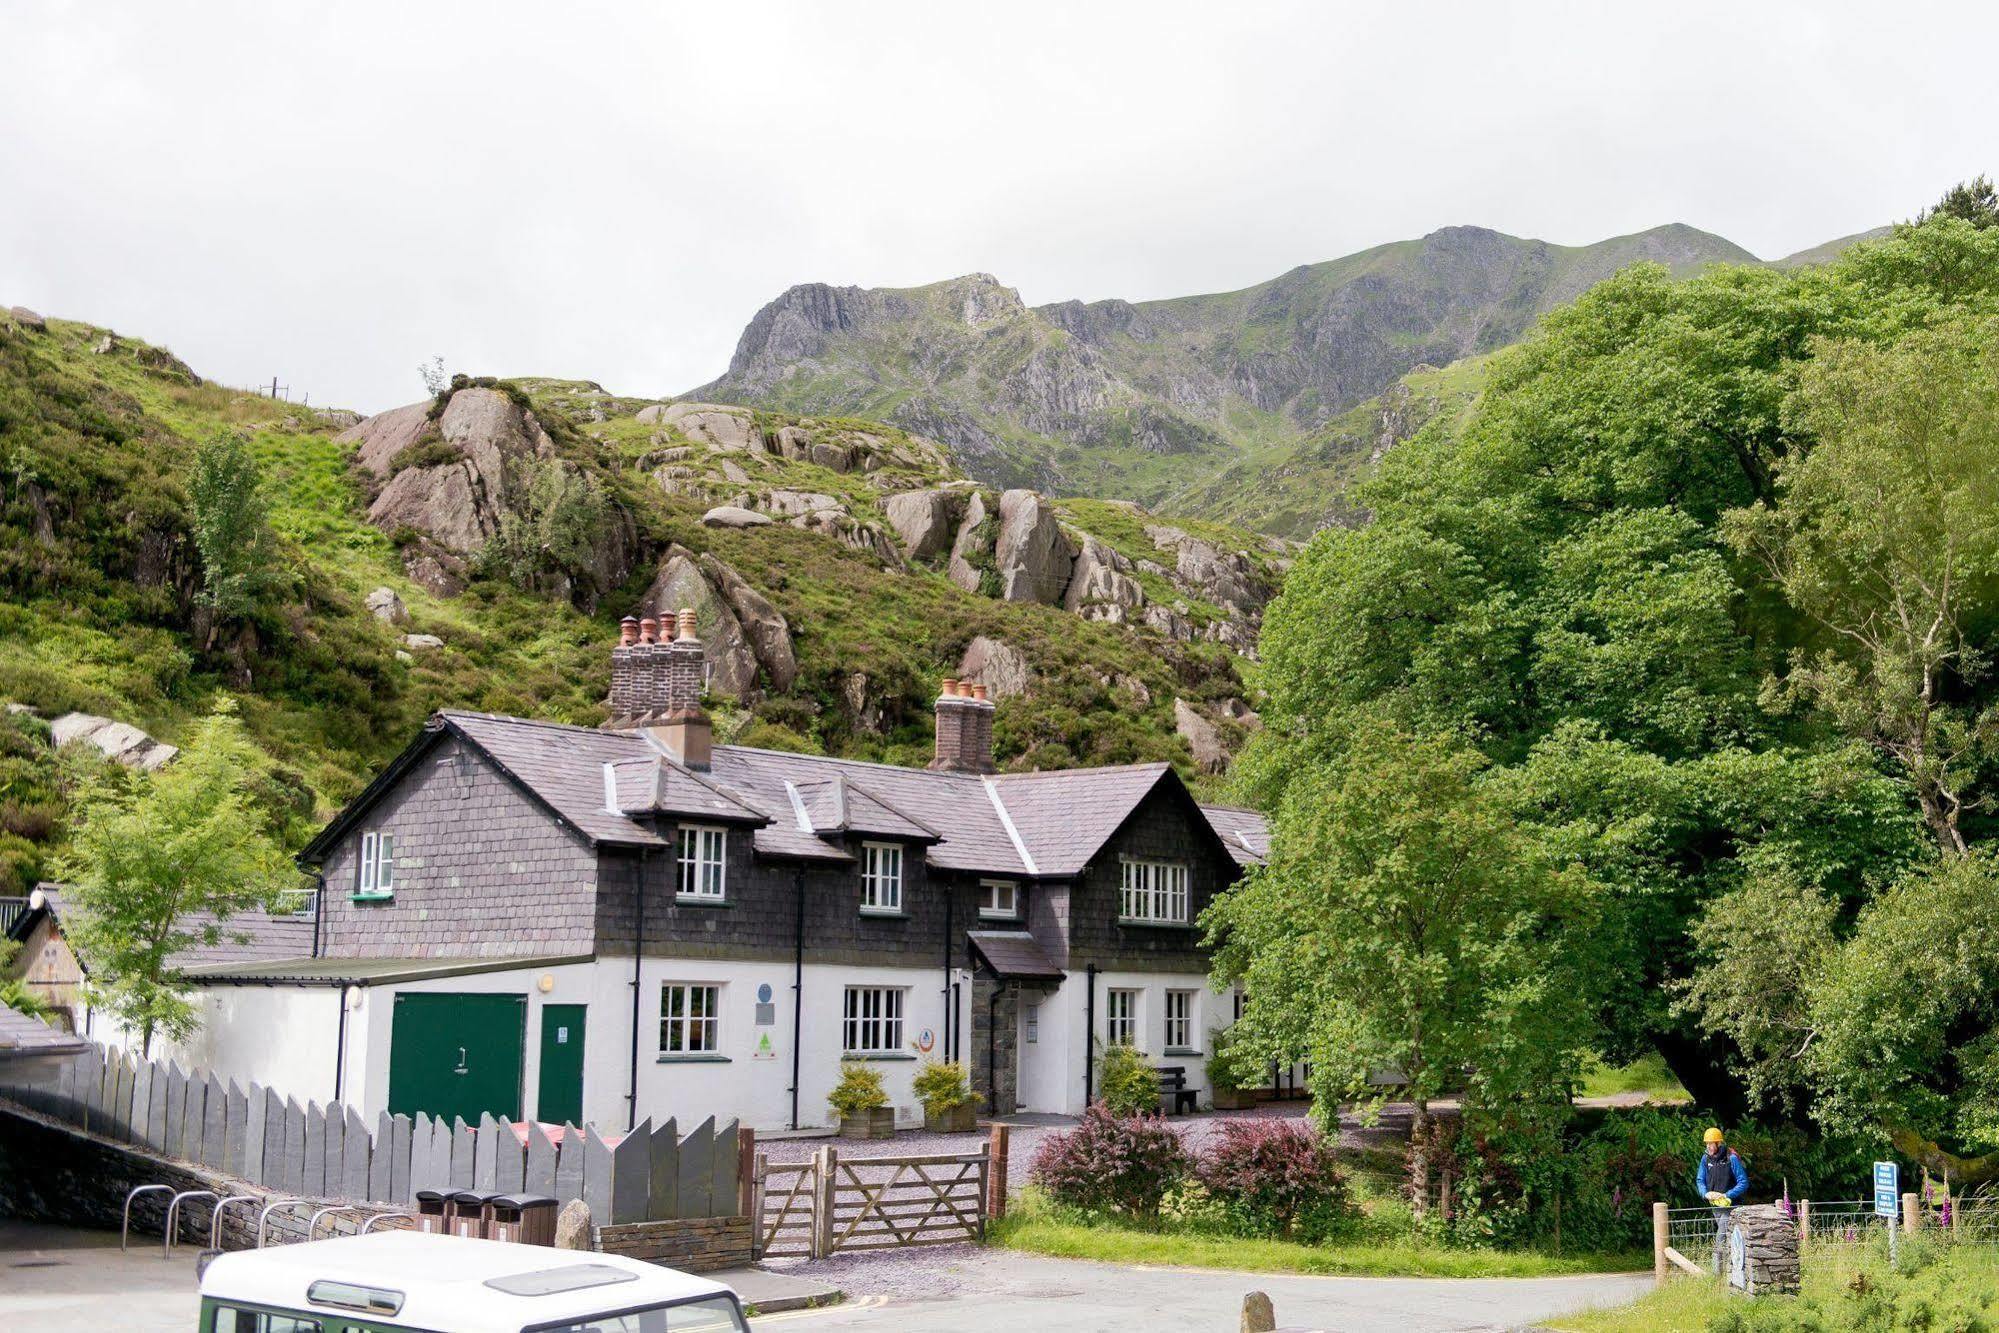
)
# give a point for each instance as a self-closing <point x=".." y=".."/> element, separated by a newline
<point x="1722" y="1180"/>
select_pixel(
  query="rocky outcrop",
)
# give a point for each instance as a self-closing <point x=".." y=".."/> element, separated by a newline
<point x="386" y="606"/>
<point x="972" y="549"/>
<point x="422" y="643"/>
<point x="680" y="582"/>
<point x="1228" y="578"/>
<point x="735" y="516"/>
<point x="118" y="741"/>
<point x="922" y="521"/>
<point x="997" y="665"/>
<point x="1032" y="553"/>
<point x="27" y="319"/>
<point x="790" y="504"/>
<point x="768" y="632"/>
<point x="1204" y="740"/>
<point x="851" y="533"/>
<point x="1102" y="578"/>
<point x="730" y="430"/>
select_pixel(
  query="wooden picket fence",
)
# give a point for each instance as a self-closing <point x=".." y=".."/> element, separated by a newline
<point x="832" y="1203"/>
<point x="653" y="1173"/>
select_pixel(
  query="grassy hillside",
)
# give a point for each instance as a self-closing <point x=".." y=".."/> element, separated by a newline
<point x="99" y="607"/>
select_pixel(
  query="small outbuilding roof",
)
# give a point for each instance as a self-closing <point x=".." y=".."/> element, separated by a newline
<point x="25" y="1038"/>
<point x="1014" y="955"/>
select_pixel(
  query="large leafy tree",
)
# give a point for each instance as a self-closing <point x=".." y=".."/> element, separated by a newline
<point x="1405" y="923"/>
<point x="229" y="516"/>
<point x="159" y="863"/>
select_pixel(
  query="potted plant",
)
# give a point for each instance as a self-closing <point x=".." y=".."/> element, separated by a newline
<point x="862" y="1103"/>
<point x="1224" y="1084"/>
<point x="949" y="1105"/>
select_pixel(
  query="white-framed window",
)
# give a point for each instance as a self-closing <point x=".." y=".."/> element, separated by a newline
<point x="872" y="1021"/>
<point x="1179" y="1020"/>
<point x="1121" y="1017"/>
<point x="703" y="861"/>
<point x="999" y="897"/>
<point x="881" y="877"/>
<point x="1154" y="891"/>
<point x="1032" y="1024"/>
<point x="377" y="872"/>
<point x="690" y="1019"/>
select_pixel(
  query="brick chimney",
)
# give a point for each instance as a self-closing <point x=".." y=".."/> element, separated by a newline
<point x="964" y="729"/>
<point x="657" y="675"/>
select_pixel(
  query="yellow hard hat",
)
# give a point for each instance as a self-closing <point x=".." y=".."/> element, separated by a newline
<point x="1712" y="1136"/>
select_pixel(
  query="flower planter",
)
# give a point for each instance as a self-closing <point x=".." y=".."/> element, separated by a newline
<point x="878" y="1123"/>
<point x="1234" y="1099"/>
<point x="961" y="1119"/>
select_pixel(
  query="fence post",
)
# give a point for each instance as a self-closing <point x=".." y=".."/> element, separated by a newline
<point x="1660" y="1234"/>
<point x="746" y="1170"/>
<point x="822" y="1202"/>
<point x="996" y="1174"/>
<point x="1804" y="1224"/>
<point x="1912" y="1213"/>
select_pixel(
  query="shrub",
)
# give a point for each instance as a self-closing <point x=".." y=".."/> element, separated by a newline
<point x="859" y="1090"/>
<point x="1275" y="1177"/>
<point x="1125" y="1082"/>
<point x="1222" y="1075"/>
<point x="1112" y="1163"/>
<point x="941" y="1085"/>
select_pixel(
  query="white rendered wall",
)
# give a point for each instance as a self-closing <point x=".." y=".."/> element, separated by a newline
<point x="284" y="1037"/>
<point x="1073" y="1046"/>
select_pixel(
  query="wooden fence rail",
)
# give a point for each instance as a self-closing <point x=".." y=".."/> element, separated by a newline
<point x="834" y="1203"/>
<point x="653" y="1173"/>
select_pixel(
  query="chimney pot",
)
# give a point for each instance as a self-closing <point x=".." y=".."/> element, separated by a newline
<point x="978" y="691"/>
<point x="628" y="631"/>
<point x="950" y="688"/>
<point x="688" y="629"/>
<point x="648" y="630"/>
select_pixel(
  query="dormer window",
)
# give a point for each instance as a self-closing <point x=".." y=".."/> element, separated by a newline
<point x="1153" y="893"/>
<point x="881" y="877"/>
<point x="703" y="863"/>
<point x="999" y="898"/>
<point x="376" y="875"/>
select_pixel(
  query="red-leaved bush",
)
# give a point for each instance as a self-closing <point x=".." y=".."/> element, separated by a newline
<point x="1112" y="1163"/>
<point x="1275" y="1177"/>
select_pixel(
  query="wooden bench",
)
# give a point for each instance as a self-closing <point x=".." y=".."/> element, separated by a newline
<point x="1172" y="1081"/>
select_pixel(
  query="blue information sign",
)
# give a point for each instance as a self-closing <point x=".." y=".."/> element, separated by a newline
<point x="1887" y="1189"/>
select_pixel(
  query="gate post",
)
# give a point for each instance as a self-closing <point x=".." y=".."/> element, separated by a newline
<point x="746" y="1171"/>
<point x="1804" y="1224"/>
<point x="826" y="1163"/>
<point x="1660" y="1235"/>
<point x="996" y="1173"/>
<point x="1912" y="1213"/>
<point x="756" y="1205"/>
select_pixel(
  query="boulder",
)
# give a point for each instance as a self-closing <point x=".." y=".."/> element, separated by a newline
<point x="973" y="547"/>
<point x="339" y="418"/>
<point x="728" y="429"/>
<point x="422" y="642"/>
<point x="791" y="503"/>
<point x="922" y="521"/>
<point x="120" y="741"/>
<point x="1203" y="740"/>
<point x="734" y="471"/>
<point x="387" y="607"/>
<point x="381" y="437"/>
<point x="1033" y="554"/>
<point x="1102" y="576"/>
<point x="105" y="345"/>
<point x="732" y="664"/>
<point x="995" y="664"/>
<point x="733" y="516"/>
<point x="572" y="1227"/>
<point x="795" y="443"/>
<point x="1166" y="621"/>
<point x="456" y="504"/>
<point x="29" y="320"/>
<point x="863" y="708"/>
<point x="1229" y="578"/>
<point x="764" y="625"/>
<point x="851" y="533"/>
<point x="833" y="457"/>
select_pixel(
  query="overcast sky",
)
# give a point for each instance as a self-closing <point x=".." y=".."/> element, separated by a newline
<point x="334" y="192"/>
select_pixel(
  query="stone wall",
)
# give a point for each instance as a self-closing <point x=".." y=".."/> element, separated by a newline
<point x="693" y="1245"/>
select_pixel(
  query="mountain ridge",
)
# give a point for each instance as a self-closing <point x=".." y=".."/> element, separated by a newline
<point x="1144" y="400"/>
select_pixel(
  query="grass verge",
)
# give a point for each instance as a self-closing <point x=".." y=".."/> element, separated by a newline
<point x="1035" y="1228"/>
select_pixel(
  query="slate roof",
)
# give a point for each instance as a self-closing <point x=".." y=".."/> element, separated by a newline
<point x="1244" y="832"/>
<point x="243" y="938"/>
<point x="368" y="971"/>
<point x="1022" y="825"/>
<point x="22" y="1037"/>
<point x="1014" y="954"/>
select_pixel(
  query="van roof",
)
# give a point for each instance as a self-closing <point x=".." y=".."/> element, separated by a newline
<point x="445" y="1280"/>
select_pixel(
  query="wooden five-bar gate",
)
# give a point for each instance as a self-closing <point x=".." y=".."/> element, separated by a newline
<point x="833" y="1203"/>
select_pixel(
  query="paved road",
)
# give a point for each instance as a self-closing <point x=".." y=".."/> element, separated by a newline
<point x="59" y="1281"/>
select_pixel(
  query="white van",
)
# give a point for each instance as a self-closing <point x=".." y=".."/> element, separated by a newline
<point x="406" y="1282"/>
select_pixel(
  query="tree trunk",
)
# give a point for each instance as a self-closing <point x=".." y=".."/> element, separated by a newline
<point x="1419" y="1156"/>
<point x="1701" y="1063"/>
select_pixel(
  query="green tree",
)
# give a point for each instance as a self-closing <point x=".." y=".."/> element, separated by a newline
<point x="550" y="543"/>
<point x="1404" y="922"/>
<point x="158" y="863"/>
<point x="230" y="521"/>
<point x="1885" y="537"/>
<point x="1973" y="201"/>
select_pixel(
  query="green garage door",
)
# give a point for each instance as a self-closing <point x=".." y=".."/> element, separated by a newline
<point x="457" y="1055"/>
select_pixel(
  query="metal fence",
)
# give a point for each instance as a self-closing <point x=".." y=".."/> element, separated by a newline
<point x="653" y="1173"/>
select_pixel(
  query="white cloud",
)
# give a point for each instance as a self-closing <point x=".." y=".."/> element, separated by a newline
<point x="332" y="194"/>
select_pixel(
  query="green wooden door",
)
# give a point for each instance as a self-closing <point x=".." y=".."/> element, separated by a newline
<point x="560" y="1096"/>
<point x="457" y="1055"/>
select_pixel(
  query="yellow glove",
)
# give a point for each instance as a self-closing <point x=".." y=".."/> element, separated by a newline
<point x="1720" y="1200"/>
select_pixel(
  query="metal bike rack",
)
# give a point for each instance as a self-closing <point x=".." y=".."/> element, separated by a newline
<point x="215" y="1217"/>
<point x="173" y="1207"/>
<point x="369" y="1225"/>
<point x="125" y="1225"/>
<point x="312" y="1223"/>
<point x="264" y="1216"/>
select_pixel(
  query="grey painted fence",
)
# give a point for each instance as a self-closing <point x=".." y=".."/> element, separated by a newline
<point x="651" y="1174"/>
